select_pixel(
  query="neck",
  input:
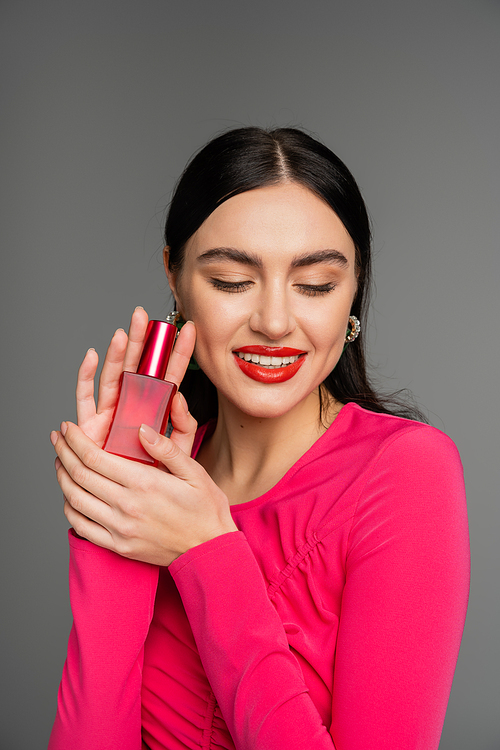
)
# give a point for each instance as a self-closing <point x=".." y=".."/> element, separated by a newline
<point x="247" y="455"/>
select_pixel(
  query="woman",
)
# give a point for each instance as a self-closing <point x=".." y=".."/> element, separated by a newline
<point x="301" y="581"/>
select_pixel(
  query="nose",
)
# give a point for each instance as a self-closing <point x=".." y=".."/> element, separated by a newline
<point x="273" y="315"/>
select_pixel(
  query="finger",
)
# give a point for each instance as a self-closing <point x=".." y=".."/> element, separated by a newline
<point x="109" y="382"/>
<point x="181" y="355"/>
<point x="83" y="502"/>
<point x="86" y="528"/>
<point x="184" y="424"/>
<point x="89" y="492"/>
<point x="170" y="455"/>
<point x="103" y="474"/>
<point x="136" y="333"/>
<point x="85" y="404"/>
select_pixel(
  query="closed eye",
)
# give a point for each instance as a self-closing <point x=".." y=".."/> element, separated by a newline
<point x="314" y="290"/>
<point x="233" y="287"/>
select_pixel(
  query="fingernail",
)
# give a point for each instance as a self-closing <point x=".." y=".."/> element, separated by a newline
<point x="57" y="463"/>
<point x="64" y="428"/>
<point x="117" y="330"/>
<point x="150" y="435"/>
<point x="53" y="437"/>
<point x="190" y="321"/>
<point x="183" y="402"/>
<point x="139" y="307"/>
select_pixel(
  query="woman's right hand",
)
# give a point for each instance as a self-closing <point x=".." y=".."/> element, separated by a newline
<point x="124" y="353"/>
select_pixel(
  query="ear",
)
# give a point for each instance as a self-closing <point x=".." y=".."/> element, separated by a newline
<point x="166" y="256"/>
<point x="357" y="271"/>
<point x="170" y="275"/>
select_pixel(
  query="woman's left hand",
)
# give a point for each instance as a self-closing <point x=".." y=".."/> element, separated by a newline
<point x="135" y="509"/>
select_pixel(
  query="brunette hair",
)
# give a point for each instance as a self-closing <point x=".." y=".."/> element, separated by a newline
<point x="249" y="158"/>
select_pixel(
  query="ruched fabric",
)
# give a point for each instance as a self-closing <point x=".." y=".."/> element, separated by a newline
<point x="331" y="619"/>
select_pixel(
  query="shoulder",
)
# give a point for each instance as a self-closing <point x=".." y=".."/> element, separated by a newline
<point x="377" y="436"/>
<point x="412" y="494"/>
<point x="363" y="447"/>
<point x="390" y="456"/>
<point x="410" y="469"/>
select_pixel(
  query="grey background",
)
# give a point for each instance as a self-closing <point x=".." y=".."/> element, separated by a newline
<point x="102" y="104"/>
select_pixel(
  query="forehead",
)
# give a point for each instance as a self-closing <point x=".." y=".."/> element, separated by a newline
<point x="280" y="219"/>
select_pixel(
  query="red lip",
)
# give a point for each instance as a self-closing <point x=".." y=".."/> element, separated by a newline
<point x="264" y="375"/>
<point x="271" y="351"/>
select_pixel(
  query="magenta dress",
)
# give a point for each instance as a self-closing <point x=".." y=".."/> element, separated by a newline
<point x="331" y="619"/>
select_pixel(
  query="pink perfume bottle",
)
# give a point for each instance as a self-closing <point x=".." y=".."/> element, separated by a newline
<point x="144" y="398"/>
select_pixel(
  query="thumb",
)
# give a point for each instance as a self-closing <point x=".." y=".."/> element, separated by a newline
<point x="168" y="453"/>
<point x="184" y="425"/>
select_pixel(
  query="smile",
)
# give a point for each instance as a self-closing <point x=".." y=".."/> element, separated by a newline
<point x="267" y="364"/>
<point x="266" y="361"/>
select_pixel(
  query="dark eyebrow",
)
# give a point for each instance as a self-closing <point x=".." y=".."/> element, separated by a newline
<point x="249" y="259"/>
<point x="230" y="253"/>
<point x="321" y="256"/>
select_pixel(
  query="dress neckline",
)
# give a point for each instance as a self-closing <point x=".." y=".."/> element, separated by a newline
<point x="206" y="430"/>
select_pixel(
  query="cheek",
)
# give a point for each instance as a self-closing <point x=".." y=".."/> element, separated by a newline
<point x="186" y="296"/>
<point x="212" y="329"/>
<point x="217" y="317"/>
<point x="330" y="343"/>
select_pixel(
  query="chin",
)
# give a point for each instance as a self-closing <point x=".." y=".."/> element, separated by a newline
<point x="264" y="412"/>
<point x="267" y="408"/>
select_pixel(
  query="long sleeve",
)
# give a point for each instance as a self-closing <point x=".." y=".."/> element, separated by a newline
<point x="99" y="701"/>
<point x="405" y="598"/>
<point x="243" y="647"/>
<point x="403" y="604"/>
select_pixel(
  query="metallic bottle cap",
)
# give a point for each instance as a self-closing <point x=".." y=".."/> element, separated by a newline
<point x="158" y="344"/>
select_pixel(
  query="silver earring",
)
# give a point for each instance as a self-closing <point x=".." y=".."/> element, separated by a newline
<point x="352" y="332"/>
<point x="173" y="317"/>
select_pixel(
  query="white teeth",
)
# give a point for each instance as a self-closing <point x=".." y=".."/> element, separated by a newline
<point x="266" y="361"/>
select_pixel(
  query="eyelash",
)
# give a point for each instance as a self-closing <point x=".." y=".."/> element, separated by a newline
<point x="310" y="290"/>
<point x="230" y="286"/>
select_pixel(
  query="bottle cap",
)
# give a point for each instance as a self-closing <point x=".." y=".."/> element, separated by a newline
<point x="158" y="344"/>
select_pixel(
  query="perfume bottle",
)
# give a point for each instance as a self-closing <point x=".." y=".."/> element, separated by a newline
<point x="144" y="397"/>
